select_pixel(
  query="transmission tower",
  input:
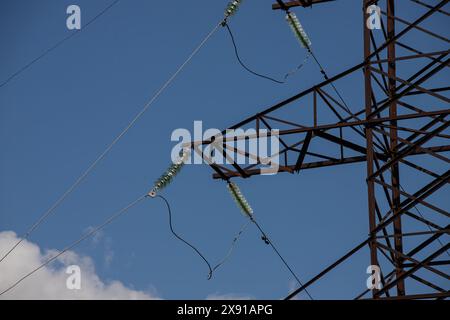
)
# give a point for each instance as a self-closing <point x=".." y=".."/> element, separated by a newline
<point x="399" y="128"/>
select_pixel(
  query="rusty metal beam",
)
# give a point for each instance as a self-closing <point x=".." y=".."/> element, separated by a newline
<point x="319" y="164"/>
<point x="302" y="154"/>
<point x="394" y="129"/>
<point x="418" y="266"/>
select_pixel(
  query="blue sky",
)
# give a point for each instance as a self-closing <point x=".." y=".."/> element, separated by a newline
<point x="57" y="116"/>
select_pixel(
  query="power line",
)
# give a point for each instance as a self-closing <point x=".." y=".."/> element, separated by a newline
<point x="75" y="243"/>
<point x="57" y="44"/>
<point x="169" y="211"/>
<point x="162" y="182"/>
<point x="344" y="106"/>
<point x="267" y="240"/>
<point x="111" y="145"/>
<point x="236" y="51"/>
<point x="306" y="43"/>
<point x="247" y="210"/>
<point x="325" y="76"/>
<point x="233" y="245"/>
<point x="100" y="227"/>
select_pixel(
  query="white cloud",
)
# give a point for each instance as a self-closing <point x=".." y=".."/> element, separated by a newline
<point x="99" y="238"/>
<point x="50" y="281"/>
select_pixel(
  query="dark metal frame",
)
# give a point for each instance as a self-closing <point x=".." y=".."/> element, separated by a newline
<point x="387" y="133"/>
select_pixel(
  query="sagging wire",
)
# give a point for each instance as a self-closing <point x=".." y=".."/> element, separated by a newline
<point x="169" y="211"/>
<point x="233" y="245"/>
<point x="295" y="70"/>
<point x="96" y="230"/>
<point x="164" y="180"/>
<point x="231" y="10"/>
<point x="245" y="207"/>
<point x="243" y="64"/>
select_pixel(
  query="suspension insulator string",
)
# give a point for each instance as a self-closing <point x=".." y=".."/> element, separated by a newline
<point x="245" y="207"/>
<point x="167" y="177"/>
<point x="298" y="30"/>
<point x="240" y="200"/>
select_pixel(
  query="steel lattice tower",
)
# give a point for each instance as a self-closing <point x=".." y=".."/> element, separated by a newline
<point x="399" y="128"/>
